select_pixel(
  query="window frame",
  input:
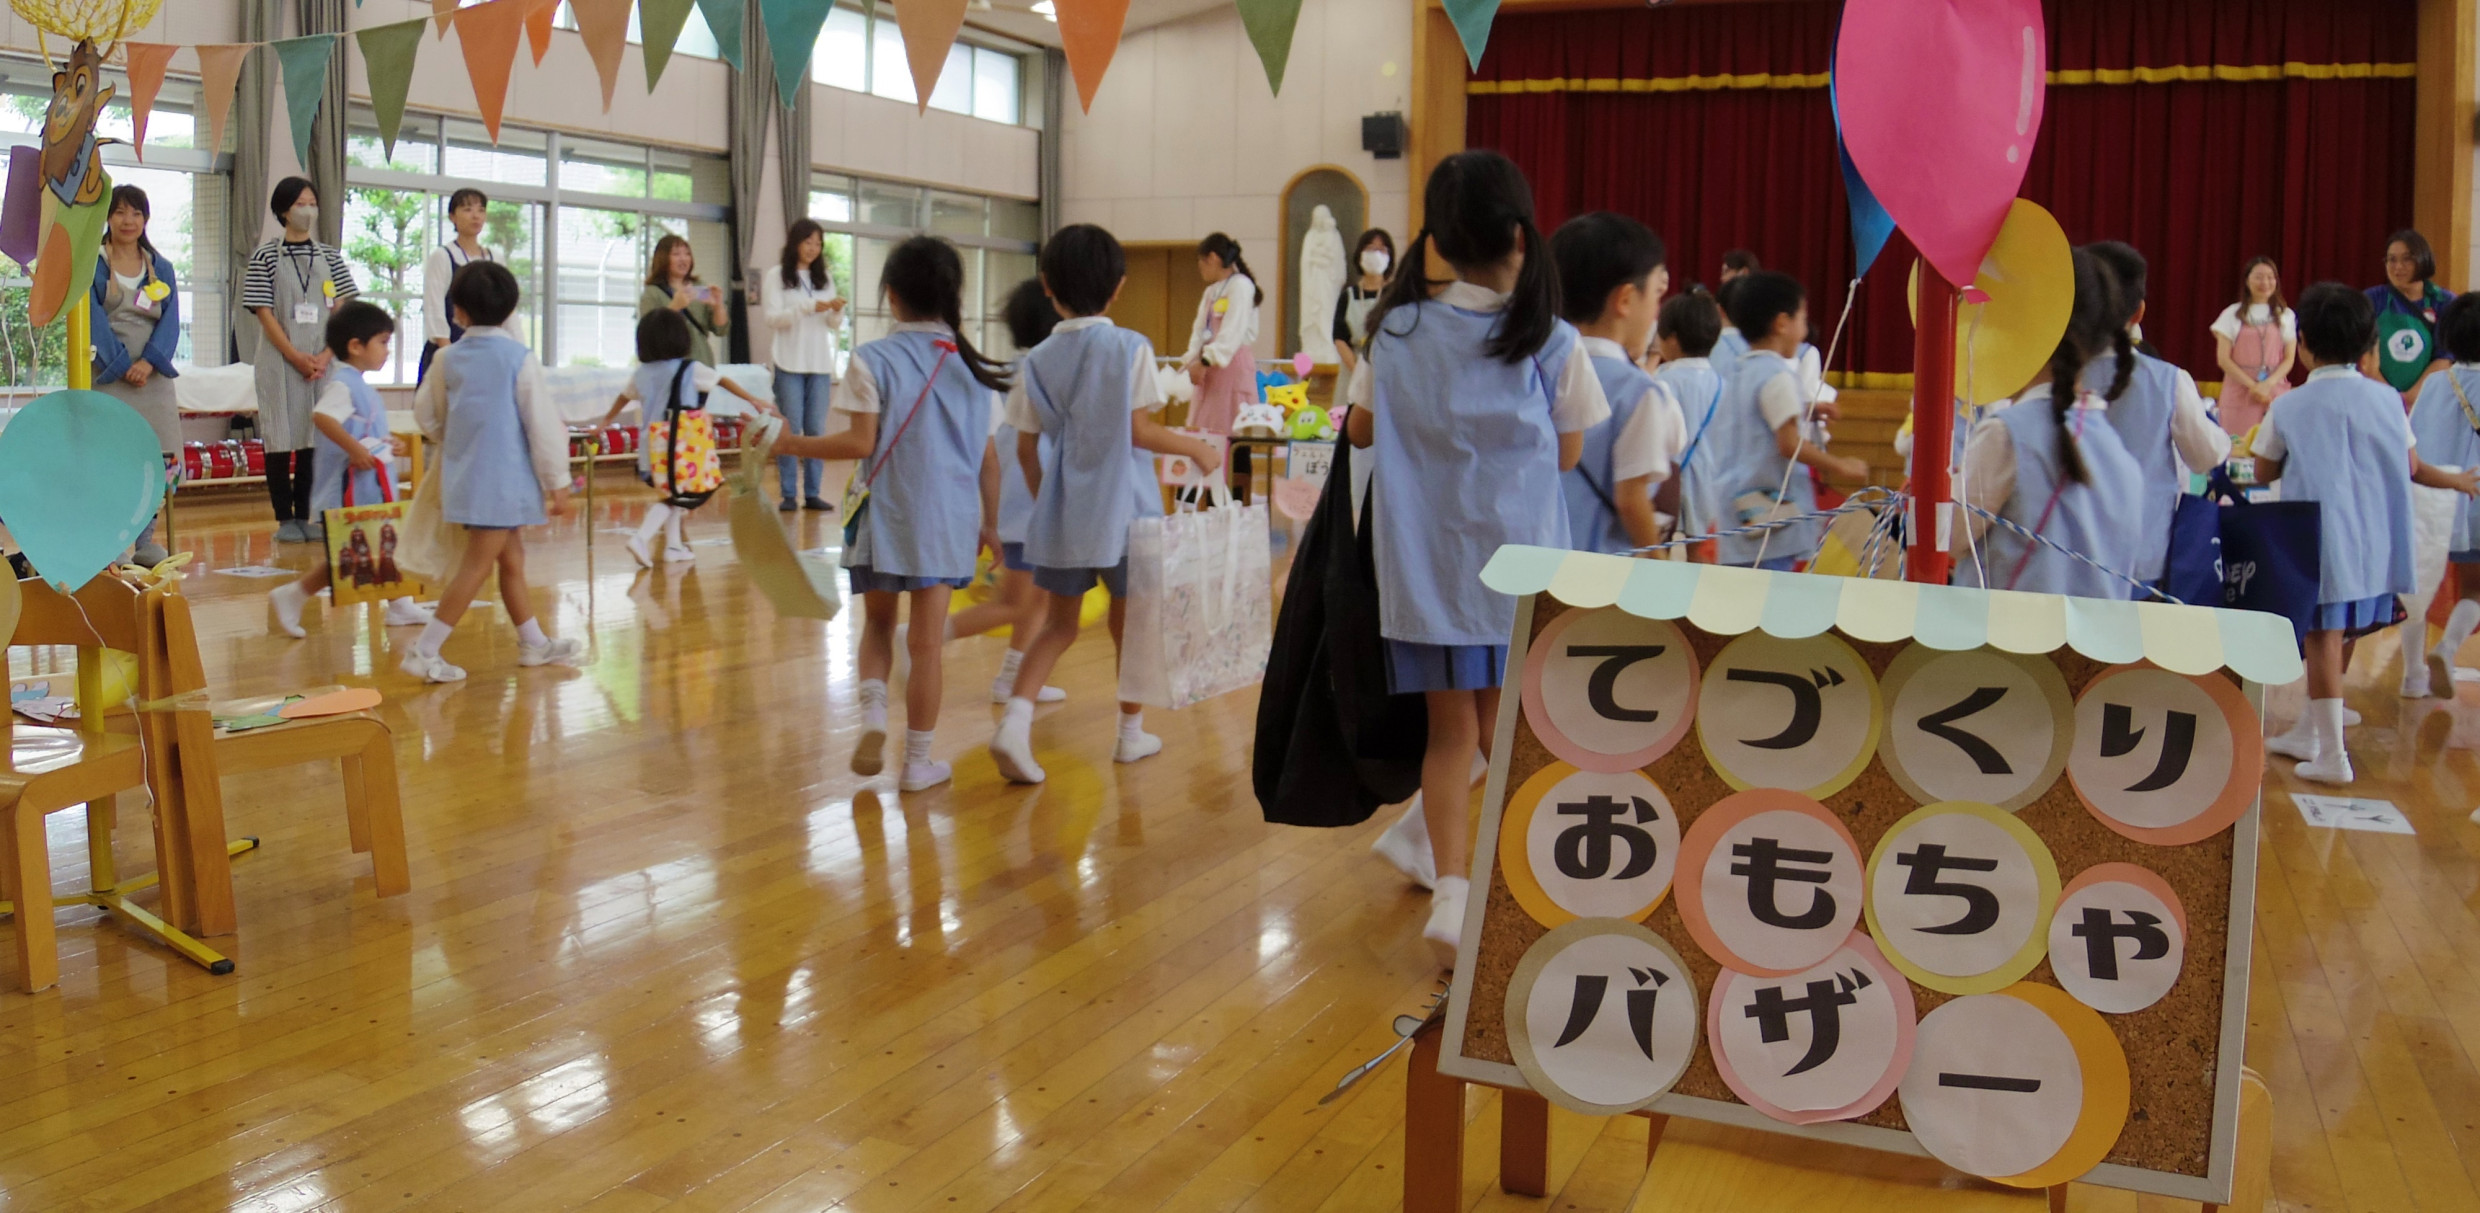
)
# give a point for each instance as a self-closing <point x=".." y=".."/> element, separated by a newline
<point x="976" y="42"/>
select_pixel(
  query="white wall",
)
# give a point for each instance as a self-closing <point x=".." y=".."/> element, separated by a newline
<point x="1184" y="138"/>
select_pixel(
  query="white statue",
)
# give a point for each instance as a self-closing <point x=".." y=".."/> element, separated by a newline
<point x="1321" y="283"/>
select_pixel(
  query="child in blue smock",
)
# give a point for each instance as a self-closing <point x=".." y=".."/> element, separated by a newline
<point x="919" y="400"/>
<point x="2049" y="463"/>
<point x="2342" y="441"/>
<point x="1768" y="433"/>
<point x="1611" y="280"/>
<point x="691" y="471"/>
<point x="503" y="466"/>
<point x="1030" y="318"/>
<point x="352" y="441"/>
<point x="1690" y="325"/>
<point x="1084" y="423"/>
<point x="2446" y="425"/>
<point x="1475" y="400"/>
<point x="2160" y="417"/>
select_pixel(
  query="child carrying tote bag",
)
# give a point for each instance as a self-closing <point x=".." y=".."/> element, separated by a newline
<point x="681" y="456"/>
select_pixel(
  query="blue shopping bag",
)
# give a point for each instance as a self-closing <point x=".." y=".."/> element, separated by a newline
<point x="2252" y="556"/>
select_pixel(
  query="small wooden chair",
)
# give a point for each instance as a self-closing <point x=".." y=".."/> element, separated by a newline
<point x="51" y="769"/>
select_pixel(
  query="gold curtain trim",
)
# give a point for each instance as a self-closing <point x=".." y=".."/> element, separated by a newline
<point x="2176" y="74"/>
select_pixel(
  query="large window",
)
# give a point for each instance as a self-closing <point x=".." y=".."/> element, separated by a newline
<point x="864" y="219"/>
<point x="864" y="52"/>
<point x="695" y="37"/>
<point x="574" y="218"/>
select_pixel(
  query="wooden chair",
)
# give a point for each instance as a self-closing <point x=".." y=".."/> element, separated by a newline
<point x="52" y="769"/>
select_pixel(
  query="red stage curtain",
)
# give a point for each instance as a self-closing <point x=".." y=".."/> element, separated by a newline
<point x="1599" y="109"/>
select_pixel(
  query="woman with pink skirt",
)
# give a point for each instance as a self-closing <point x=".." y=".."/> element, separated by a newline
<point x="2256" y="341"/>
<point x="1221" y="358"/>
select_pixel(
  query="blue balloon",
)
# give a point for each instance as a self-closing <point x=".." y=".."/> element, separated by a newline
<point x="1870" y="224"/>
<point x="80" y="475"/>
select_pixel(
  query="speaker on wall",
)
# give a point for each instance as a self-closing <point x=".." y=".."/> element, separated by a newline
<point x="1383" y="135"/>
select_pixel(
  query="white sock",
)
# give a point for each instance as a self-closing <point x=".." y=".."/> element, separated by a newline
<point x="1008" y="665"/>
<point x="434" y="635"/>
<point x="2458" y="629"/>
<point x="874" y="702"/>
<point x="654" y="521"/>
<point x="1131" y="723"/>
<point x="530" y="634"/>
<point x="2325" y="720"/>
<point x="1019" y="711"/>
<point x="917" y="744"/>
<point x="671" y="529"/>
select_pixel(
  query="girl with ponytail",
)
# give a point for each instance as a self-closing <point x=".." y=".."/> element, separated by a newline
<point x="1474" y="400"/>
<point x="2048" y="462"/>
<point x="1221" y="358"/>
<point x="925" y="497"/>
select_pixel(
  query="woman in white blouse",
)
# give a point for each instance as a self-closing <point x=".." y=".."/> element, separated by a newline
<point x="2256" y="341"/>
<point x="1221" y="358"/>
<point x="800" y="303"/>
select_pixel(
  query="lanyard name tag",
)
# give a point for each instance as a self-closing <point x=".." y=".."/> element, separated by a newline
<point x="305" y="313"/>
<point x="141" y="302"/>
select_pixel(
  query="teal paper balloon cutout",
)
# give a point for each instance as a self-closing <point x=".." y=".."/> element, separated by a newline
<point x="80" y="475"/>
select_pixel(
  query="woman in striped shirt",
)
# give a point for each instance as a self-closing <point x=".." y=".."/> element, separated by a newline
<point x="293" y="282"/>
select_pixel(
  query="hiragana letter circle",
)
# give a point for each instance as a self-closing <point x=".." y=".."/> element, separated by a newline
<point x="1960" y="897"/>
<point x="2119" y="938"/>
<point x="1770" y="882"/>
<point x="1826" y="1044"/>
<point x="2164" y="758"/>
<point x="1585" y="844"/>
<point x="1980" y="725"/>
<point x="1802" y="715"/>
<point x="1610" y="691"/>
<point x="1602" y="1016"/>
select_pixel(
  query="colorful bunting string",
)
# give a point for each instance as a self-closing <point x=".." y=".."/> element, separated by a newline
<point x="792" y="36"/>
<point x="388" y="53"/>
<point x="219" y="70"/>
<point x="1089" y="33"/>
<point x="724" y="18"/>
<point x="146" y="79"/>
<point x="302" y="62"/>
<point x="930" y="27"/>
<point x="1472" y="20"/>
<point x="443" y="11"/>
<point x="604" y="24"/>
<point x="1269" y="24"/>
<point x="488" y="32"/>
<point x="659" y="23"/>
<point x="538" y="31"/>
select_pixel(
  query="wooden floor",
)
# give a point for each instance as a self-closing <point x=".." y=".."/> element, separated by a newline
<point x="664" y="953"/>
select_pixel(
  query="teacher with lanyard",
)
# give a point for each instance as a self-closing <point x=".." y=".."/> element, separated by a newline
<point x="672" y="282"/>
<point x="468" y="210"/>
<point x="292" y="283"/>
<point x="2407" y="309"/>
<point x="1374" y="255"/>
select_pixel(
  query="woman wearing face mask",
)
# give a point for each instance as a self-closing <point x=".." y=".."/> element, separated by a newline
<point x="1375" y="257"/>
<point x="293" y="282"/>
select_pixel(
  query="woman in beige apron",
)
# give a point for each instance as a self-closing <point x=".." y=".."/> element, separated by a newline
<point x="137" y="328"/>
<point x="292" y="284"/>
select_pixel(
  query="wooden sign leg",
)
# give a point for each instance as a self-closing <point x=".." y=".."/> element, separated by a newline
<point x="2253" y="1187"/>
<point x="1524" y="1143"/>
<point x="1433" y="1131"/>
<point x="1656" y="1124"/>
<point x="2058" y="1198"/>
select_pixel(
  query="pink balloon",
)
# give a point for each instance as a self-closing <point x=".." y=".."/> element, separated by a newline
<point x="1302" y="362"/>
<point x="1940" y="102"/>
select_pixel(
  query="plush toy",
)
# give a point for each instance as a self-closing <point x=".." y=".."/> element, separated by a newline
<point x="1310" y="425"/>
<point x="1290" y="397"/>
<point x="1257" y="420"/>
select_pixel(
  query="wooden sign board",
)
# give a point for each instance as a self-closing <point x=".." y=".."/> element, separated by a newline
<point x="1930" y="870"/>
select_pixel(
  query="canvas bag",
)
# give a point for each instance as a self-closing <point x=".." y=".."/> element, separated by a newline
<point x="1200" y="614"/>
<point x="2249" y="556"/>
<point x="363" y="545"/>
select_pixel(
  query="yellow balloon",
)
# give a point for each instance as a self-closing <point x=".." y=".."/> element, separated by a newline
<point x="985" y="589"/>
<point x="120" y="678"/>
<point x="2029" y="277"/>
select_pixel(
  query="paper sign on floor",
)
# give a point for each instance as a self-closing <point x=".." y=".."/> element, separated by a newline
<point x="2348" y="813"/>
<point x="258" y="570"/>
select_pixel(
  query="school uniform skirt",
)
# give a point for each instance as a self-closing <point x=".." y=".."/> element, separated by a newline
<point x="1413" y="668"/>
<point x="2358" y="618"/>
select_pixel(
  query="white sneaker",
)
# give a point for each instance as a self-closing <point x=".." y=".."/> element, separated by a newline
<point x="677" y="553"/>
<point x="1012" y="748"/>
<point x="2350" y="719"/>
<point x="1136" y="747"/>
<point x="637" y="551"/>
<point x="1406" y="845"/>
<point x="2299" y="743"/>
<point x="2440" y="676"/>
<point x="430" y="667"/>
<point x="870" y="755"/>
<point x="1004" y="689"/>
<point x="2334" y="768"/>
<point x="554" y="650"/>
<point x="2415" y="681"/>
<point x="921" y="775"/>
<point x="1445" y="931"/>
<point x="288" y="600"/>
<point x="406" y="613"/>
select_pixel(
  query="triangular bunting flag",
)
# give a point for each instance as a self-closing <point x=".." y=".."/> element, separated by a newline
<point x="488" y="33"/>
<point x="303" y="63"/>
<point x="1472" y="20"/>
<point x="724" y="18"/>
<point x="219" y="70"/>
<point x="1089" y="32"/>
<point x="388" y="52"/>
<point x="146" y="78"/>
<point x="538" y="31"/>
<point x="658" y="23"/>
<point x="604" y="24"/>
<point x="791" y="37"/>
<point x="442" y="11"/>
<point x="1270" y="24"/>
<point x="930" y="27"/>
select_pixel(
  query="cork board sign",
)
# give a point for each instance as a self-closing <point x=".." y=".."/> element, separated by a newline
<point x="1955" y="900"/>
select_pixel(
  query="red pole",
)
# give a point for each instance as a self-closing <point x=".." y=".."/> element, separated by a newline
<point x="1933" y="431"/>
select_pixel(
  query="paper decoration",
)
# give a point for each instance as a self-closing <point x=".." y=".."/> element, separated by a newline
<point x="792" y="37"/>
<point x="146" y="79"/>
<point x="659" y="23"/>
<point x="1602" y="1016"/>
<point x="1981" y="725"/>
<point x="1829" y="1043"/>
<point x="334" y="703"/>
<point x="604" y="25"/>
<point x="302" y="62"/>
<point x="2165" y="758"/>
<point x="1179" y="471"/>
<point x="1960" y="896"/>
<point x="723" y="19"/>
<point x="1089" y="35"/>
<point x="1870" y="224"/>
<point x="1798" y="714"/>
<point x="388" y="54"/>
<point x="444" y="11"/>
<point x="2015" y="307"/>
<point x="1302" y="363"/>
<point x="2016" y="1086"/>
<point x="1472" y="20"/>
<point x="1589" y="844"/>
<point x="21" y="215"/>
<point x="1269" y="24"/>
<point x="1609" y="691"/>
<point x="538" y="31"/>
<point x="929" y="27"/>
<point x="219" y="70"/>
<point x="1940" y="101"/>
<point x="79" y="478"/>
<point x="2351" y="813"/>
<point x="1770" y="882"/>
<point x="488" y="34"/>
<point x="2119" y="938"/>
<point x="75" y="187"/>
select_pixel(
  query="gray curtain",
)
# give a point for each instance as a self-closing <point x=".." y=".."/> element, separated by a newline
<point x="792" y="150"/>
<point x="246" y="218"/>
<point x="753" y="100"/>
<point x="326" y="167"/>
<point x="1054" y="130"/>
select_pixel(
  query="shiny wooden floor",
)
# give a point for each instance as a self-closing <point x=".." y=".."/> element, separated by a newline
<point x="664" y="953"/>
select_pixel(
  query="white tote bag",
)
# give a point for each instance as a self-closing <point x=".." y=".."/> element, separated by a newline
<point x="1200" y="604"/>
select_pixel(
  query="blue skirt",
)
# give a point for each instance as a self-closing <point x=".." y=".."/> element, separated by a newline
<point x="1413" y="668"/>
<point x="2357" y="618"/>
<point x="866" y="580"/>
